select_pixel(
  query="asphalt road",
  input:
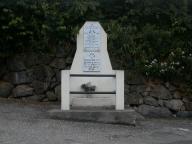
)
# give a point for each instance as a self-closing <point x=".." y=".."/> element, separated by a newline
<point x="22" y="123"/>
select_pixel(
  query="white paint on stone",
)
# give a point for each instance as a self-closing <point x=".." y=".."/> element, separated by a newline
<point x="100" y="50"/>
<point x="65" y="89"/>
<point x="91" y="58"/>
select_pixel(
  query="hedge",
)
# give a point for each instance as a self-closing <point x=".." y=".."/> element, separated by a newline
<point x="153" y="37"/>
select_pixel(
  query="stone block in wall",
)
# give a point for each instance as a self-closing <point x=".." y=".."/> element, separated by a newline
<point x="40" y="87"/>
<point x="5" y="89"/>
<point x="18" y="77"/>
<point x="150" y="101"/>
<point x="154" y="112"/>
<point x="126" y="92"/>
<point x="160" y="92"/>
<point x="170" y="87"/>
<point x="58" y="63"/>
<point x="188" y="105"/>
<point x="53" y="83"/>
<point x="64" y="50"/>
<point x="51" y="96"/>
<point x="177" y="95"/>
<point x="22" y="91"/>
<point x="58" y="92"/>
<point x="45" y="59"/>
<point x="33" y="59"/>
<point x="161" y="102"/>
<point x="41" y="73"/>
<point x="141" y="89"/>
<point x="174" y="104"/>
<point x="60" y="52"/>
<point x="3" y="67"/>
<point x="134" y="99"/>
<point x="58" y="75"/>
<point x="133" y="78"/>
<point x="2" y="71"/>
<point x="137" y="88"/>
<point x="16" y="63"/>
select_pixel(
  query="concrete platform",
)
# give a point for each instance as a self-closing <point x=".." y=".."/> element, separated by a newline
<point x="126" y="117"/>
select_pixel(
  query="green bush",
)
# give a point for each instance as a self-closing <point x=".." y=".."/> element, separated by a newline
<point x="153" y="37"/>
<point x="156" y="37"/>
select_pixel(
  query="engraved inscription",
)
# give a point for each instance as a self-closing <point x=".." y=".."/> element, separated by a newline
<point x="91" y="62"/>
<point x="92" y="37"/>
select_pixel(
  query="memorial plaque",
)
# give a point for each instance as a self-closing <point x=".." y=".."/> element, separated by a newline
<point x="92" y="37"/>
<point x="92" y="43"/>
<point x="91" y="62"/>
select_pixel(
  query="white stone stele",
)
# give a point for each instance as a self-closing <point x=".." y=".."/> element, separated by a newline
<point x="91" y="58"/>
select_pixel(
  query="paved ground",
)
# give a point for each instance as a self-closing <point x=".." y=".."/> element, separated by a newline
<point x="29" y="124"/>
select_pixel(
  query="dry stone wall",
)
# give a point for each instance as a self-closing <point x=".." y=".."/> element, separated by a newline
<point x="36" y="77"/>
<point x="154" y="98"/>
<point x="32" y="76"/>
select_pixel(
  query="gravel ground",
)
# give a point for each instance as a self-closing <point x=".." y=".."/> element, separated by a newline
<point x="22" y="123"/>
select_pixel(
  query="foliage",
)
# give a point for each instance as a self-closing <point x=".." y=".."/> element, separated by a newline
<point x="153" y="37"/>
<point x="156" y="36"/>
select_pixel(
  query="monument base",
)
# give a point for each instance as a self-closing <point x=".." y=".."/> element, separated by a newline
<point x="109" y="90"/>
<point x="126" y="117"/>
